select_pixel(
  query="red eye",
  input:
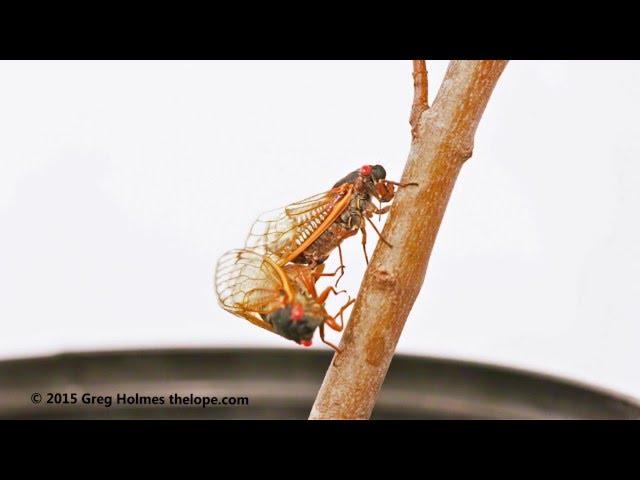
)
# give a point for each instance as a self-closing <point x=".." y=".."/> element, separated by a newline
<point x="305" y="343"/>
<point x="297" y="312"/>
<point x="365" y="170"/>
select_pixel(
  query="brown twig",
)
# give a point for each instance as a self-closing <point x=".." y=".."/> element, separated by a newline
<point x="395" y="275"/>
<point x="420" y="96"/>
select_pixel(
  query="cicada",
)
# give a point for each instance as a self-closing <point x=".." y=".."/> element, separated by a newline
<point x="306" y="232"/>
<point x="281" y="299"/>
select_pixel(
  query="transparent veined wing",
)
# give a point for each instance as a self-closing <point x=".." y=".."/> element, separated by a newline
<point x="286" y="232"/>
<point x="251" y="284"/>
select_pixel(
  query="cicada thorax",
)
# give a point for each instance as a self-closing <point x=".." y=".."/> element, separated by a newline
<point x="304" y="313"/>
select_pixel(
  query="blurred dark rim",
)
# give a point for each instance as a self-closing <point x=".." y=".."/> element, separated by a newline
<point x="283" y="382"/>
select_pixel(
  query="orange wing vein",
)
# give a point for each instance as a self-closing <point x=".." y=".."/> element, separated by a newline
<point x="250" y="284"/>
<point x="288" y="231"/>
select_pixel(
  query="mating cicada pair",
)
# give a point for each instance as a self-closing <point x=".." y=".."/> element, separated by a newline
<point x="272" y="280"/>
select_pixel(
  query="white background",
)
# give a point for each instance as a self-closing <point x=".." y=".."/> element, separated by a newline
<point x="121" y="183"/>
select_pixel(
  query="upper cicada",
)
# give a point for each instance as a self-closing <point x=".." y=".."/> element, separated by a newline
<point x="307" y="231"/>
<point x="281" y="299"/>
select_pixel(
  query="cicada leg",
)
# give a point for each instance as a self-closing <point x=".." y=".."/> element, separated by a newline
<point x="333" y="274"/>
<point x="378" y="232"/>
<point x="363" y="230"/>
<point x="326" y="341"/>
<point x="401" y="185"/>
<point x="341" y="265"/>
<point x="340" y="268"/>
<point x="331" y="321"/>
<point x="325" y="294"/>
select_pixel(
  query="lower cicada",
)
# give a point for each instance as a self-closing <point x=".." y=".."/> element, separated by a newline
<point x="306" y="232"/>
<point x="281" y="299"/>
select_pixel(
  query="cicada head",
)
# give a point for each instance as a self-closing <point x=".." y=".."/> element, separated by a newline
<point x="373" y="172"/>
<point x="366" y="174"/>
<point x="378" y="173"/>
<point x="295" y="323"/>
<point x="377" y="184"/>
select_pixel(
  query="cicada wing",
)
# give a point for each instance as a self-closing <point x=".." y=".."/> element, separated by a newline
<point x="286" y="232"/>
<point x="253" y="318"/>
<point x="250" y="284"/>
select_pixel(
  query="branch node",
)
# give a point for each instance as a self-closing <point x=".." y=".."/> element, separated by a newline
<point x="459" y="150"/>
<point x="384" y="280"/>
<point x="466" y="152"/>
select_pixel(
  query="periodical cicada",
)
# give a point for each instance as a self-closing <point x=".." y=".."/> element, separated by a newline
<point x="279" y="298"/>
<point x="306" y="232"/>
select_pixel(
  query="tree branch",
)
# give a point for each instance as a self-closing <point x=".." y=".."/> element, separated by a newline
<point x="395" y="275"/>
<point x="420" y="95"/>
